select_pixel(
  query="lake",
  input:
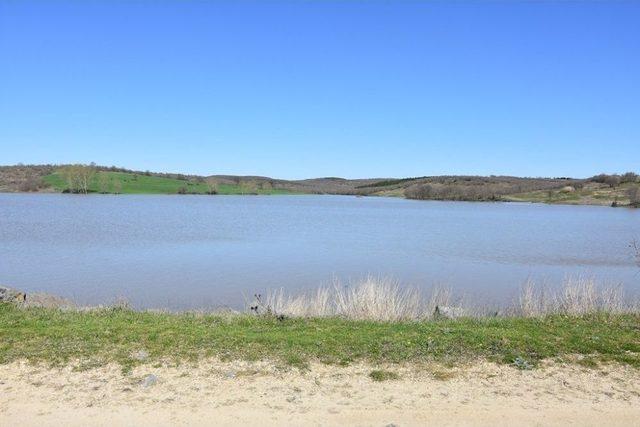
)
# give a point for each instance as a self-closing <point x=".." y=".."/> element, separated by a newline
<point x="184" y="252"/>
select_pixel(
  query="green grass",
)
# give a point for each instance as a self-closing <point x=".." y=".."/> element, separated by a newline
<point x="148" y="184"/>
<point x="113" y="335"/>
<point x="381" y="375"/>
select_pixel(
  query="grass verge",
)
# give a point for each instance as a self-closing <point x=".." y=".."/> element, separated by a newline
<point x="115" y="335"/>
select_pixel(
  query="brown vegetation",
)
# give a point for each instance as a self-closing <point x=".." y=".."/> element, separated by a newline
<point x="23" y="178"/>
<point x="476" y="188"/>
<point x="634" y="196"/>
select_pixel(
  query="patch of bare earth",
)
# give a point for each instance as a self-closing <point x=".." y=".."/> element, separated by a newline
<point x="261" y="393"/>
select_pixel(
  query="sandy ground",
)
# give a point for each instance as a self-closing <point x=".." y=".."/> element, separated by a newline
<point x="240" y="393"/>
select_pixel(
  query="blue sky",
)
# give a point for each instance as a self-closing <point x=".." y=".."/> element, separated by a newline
<point x="306" y="89"/>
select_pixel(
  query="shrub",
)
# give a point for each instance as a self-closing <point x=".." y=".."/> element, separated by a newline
<point x="612" y="181"/>
<point x="629" y="177"/>
<point x="380" y="375"/>
<point x="634" y="196"/>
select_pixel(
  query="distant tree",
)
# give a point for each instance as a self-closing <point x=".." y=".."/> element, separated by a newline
<point x="85" y="175"/>
<point x="103" y="183"/>
<point x="612" y="181"/>
<point x="601" y="178"/>
<point x="629" y="177"/>
<point x="247" y="187"/>
<point x="78" y="178"/>
<point x="117" y="186"/>
<point x="420" y="192"/>
<point x="31" y="183"/>
<point x="634" y="196"/>
<point x="212" y="185"/>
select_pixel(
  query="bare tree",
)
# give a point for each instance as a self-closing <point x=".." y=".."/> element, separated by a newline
<point x="78" y="177"/>
<point x="212" y="185"/>
<point x="634" y="196"/>
<point x="629" y="177"/>
<point x="103" y="183"/>
<point x="31" y="183"/>
<point x="247" y="187"/>
<point x="117" y="186"/>
<point x="69" y="175"/>
<point x="85" y="175"/>
<point x="612" y="181"/>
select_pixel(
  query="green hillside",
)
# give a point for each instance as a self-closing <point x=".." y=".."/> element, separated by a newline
<point x="133" y="183"/>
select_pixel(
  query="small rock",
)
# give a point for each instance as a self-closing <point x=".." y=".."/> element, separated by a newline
<point x="11" y="295"/>
<point x="230" y="374"/>
<point x="40" y="299"/>
<point x="445" y="312"/>
<point x="140" y="355"/>
<point x="149" y="380"/>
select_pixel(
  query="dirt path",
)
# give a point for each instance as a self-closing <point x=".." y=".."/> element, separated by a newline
<point x="258" y="394"/>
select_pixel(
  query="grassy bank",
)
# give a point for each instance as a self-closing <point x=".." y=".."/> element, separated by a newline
<point x="115" y="335"/>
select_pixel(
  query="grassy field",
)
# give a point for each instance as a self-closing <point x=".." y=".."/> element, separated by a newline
<point x="113" y="335"/>
<point x="131" y="183"/>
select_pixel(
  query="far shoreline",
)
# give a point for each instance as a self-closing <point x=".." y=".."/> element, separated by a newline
<point x="382" y="196"/>
<point x="600" y="190"/>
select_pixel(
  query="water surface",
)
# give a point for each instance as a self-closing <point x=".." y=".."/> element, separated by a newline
<point x="183" y="252"/>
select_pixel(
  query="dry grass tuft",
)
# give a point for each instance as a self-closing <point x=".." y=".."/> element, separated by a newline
<point x="383" y="299"/>
<point x="577" y="296"/>
<point x="379" y="299"/>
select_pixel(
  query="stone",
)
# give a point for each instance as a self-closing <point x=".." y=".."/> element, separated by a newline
<point x="11" y="295"/>
<point x="149" y="381"/>
<point x="446" y="312"/>
<point x="48" y="301"/>
<point x="140" y="355"/>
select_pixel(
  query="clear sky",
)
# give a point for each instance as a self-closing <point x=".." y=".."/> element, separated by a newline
<point x="306" y="89"/>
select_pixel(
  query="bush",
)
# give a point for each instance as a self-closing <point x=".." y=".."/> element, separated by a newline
<point x="31" y="183"/>
<point x="380" y="375"/>
<point x="629" y="177"/>
<point x="612" y="181"/>
<point x="634" y="196"/>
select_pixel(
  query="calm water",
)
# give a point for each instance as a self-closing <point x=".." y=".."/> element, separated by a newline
<point x="200" y="252"/>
